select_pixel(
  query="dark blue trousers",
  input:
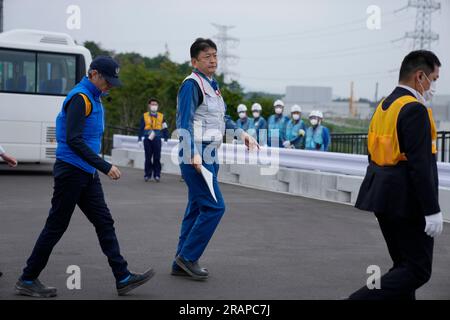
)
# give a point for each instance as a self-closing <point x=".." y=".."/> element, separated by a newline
<point x="73" y="187"/>
<point x="152" y="157"/>
<point x="203" y="213"/>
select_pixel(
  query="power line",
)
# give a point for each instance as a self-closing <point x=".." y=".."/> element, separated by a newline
<point x="422" y="36"/>
<point x="363" y="49"/>
<point x="312" y="32"/>
<point x="225" y="42"/>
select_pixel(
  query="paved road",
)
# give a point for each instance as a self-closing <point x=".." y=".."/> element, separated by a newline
<point x="268" y="245"/>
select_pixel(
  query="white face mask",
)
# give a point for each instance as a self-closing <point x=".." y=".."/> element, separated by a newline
<point x="314" y="122"/>
<point x="255" y="114"/>
<point x="430" y="93"/>
<point x="242" y="115"/>
<point x="153" y="108"/>
<point x="296" y="117"/>
<point x="278" y="110"/>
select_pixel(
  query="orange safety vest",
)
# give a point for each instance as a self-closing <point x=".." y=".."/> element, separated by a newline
<point x="433" y="132"/>
<point x="153" y="123"/>
<point x="382" y="140"/>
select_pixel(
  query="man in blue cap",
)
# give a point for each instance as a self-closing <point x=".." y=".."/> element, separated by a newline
<point x="79" y="130"/>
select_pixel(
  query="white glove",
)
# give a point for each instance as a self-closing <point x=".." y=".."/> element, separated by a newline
<point x="434" y="224"/>
<point x="140" y="144"/>
<point x="286" y="144"/>
<point x="151" y="136"/>
<point x="301" y="132"/>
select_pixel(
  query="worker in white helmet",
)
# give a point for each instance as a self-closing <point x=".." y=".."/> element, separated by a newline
<point x="277" y="125"/>
<point x="317" y="136"/>
<point x="259" y="130"/>
<point x="295" y="130"/>
<point x="244" y="122"/>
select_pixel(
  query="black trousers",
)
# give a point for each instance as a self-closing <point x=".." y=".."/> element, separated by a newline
<point x="152" y="157"/>
<point x="411" y="250"/>
<point x="72" y="187"/>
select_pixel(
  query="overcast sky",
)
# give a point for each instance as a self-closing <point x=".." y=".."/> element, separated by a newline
<point x="282" y="42"/>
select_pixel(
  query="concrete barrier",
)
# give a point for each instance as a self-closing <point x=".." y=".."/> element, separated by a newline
<point x="312" y="183"/>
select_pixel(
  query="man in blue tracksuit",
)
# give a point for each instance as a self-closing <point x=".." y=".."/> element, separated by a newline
<point x="277" y="125"/>
<point x="79" y="130"/>
<point x="201" y="124"/>
<point x="153" y="128"/>
<point x="317" y="136"/>
<point x="295" y="130"/>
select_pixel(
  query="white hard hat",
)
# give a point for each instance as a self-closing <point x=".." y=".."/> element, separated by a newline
<point x="278" y="103"/>
<point x="256" y="107"/>
<point x="242" y="108"/>
<point x="296" y="108"/>
<point x="316" y="113"/>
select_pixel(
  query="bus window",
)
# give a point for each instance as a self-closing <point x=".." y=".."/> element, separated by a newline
<point x="56" y="73"/>
<point x="17" y="71"/>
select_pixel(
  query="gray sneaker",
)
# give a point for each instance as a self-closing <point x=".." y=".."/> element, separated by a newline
<point x="34" y="289"/>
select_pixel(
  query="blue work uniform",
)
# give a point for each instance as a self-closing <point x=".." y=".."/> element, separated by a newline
<point x="317" y="138"/>
<point x="245" y="124"/>
<point x="276" y="129"/>
<point x="201" y="116"/>
<point x="260" y="130"/>
<point x="293" y="135"/>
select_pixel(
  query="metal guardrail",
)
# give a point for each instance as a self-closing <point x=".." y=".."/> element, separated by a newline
<point x="338" y="163"/>
<point x="356" y="143"/>
<point x="349" y="143"/>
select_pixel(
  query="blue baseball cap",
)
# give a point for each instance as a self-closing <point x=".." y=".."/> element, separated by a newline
<point x="108" y="68"/>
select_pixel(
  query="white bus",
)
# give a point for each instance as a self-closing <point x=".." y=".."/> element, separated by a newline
<point x="37" y="70"/>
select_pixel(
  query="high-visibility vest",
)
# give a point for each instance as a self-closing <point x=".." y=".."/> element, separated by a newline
<point x="153" y="123"/>
<point x="382" y="140"/>
<point x="433" y="132"/>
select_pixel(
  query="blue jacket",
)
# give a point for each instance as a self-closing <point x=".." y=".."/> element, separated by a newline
<point x="260" y="124"/>
<point x="93" y="129"/>
<point x="317" y="138"/>
<point x="245" y="124"/>
<point x="277" y="122"/>
<point x="292" y="133"/>
<point x="189" y="99"/>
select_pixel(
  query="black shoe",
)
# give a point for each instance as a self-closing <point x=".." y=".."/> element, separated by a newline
<point x="146" y="179"/>
<point x="135" y="280"/>
<point x="179" y="272"/>
<point x="192" y="268"/>
<point x="34" y="289"/>
<point x="157" y="179"/>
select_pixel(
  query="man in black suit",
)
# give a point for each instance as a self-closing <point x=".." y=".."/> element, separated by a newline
<point x="401" y="183"/>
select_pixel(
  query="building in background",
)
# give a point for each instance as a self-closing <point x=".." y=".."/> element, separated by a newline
<point x="321" y="98"/>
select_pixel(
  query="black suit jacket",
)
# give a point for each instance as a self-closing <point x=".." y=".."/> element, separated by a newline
<point x="411" y="187"/>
